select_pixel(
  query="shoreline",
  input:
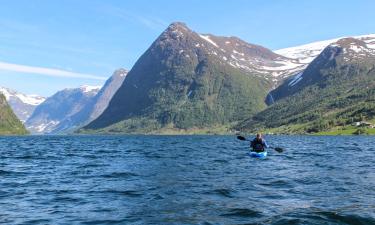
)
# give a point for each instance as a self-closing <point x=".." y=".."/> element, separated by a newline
<point x="325" y="133"/>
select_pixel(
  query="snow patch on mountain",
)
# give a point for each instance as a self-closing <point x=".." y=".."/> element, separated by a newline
<point x="122" y="72"/>
<point x="356" y="48"/>
<point x="297" y="78"/>
<point x="87" y="88"/>
<point x="207" y="38"/>
<point x="44" y="127"/>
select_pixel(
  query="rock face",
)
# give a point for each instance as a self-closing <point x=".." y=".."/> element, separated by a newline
<point x="105" y="94"/>
<point x="9" y="123"/>
<point x="336" y="88"/>
<point x="22" y="105"/>
<point x="70" y="109"/>
<point x="188" y="80"/>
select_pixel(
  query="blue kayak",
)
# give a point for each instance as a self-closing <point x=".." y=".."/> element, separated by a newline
<point x="260" y="155"/>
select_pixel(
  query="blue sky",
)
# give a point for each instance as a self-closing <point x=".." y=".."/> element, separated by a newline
<point x="48" y="45"/>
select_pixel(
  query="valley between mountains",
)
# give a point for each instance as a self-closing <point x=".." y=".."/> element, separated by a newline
<point x="188" y="83"/>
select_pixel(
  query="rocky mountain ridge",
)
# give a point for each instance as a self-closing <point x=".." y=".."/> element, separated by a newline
<point x="71" y="108"/>
<point x="22" y="105"/>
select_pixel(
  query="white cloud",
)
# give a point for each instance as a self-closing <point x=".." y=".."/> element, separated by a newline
<point x="148" y="21"/>
<point x="46" y="71"/>
<point x="152" y="23"/>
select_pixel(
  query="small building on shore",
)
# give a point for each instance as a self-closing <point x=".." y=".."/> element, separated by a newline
<point x="363" y="124"/>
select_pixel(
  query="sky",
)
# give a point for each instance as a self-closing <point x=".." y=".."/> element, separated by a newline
<point x="49" y="45"/>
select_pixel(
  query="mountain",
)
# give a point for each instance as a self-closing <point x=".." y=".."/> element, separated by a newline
<point x="21" y="104"/>
<point x="349" y="51"/>
<point x="54" y="114"/>
<point x="250" y="58"/>
<point x="187" y="80"/>
<point x="70" y="109"/>
<point x="305" y="54"/>
<point x="93" y="108"/>
<point x="9" y="123"/>
<point x="337" y="88"/>
<point x="106" y="93"/>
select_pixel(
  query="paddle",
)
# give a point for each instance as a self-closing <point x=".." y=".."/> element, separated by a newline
<point x="278" y="149"/>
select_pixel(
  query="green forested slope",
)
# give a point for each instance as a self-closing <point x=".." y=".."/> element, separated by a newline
<point x="179" y="83"/>
<point x="9" y="123"/>
<point x="337" y="89"/>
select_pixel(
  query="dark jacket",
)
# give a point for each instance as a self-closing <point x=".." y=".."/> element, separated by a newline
<point x="258" y="145"/>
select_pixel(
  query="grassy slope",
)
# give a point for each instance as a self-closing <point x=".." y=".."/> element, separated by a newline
<point x="9" y="123"/>
<point x="348" y="130"/>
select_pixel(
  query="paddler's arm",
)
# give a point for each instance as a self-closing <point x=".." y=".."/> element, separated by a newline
<point x="265" y="144"/>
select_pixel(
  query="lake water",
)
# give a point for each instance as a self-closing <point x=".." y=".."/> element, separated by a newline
<point x="186" y="180"/>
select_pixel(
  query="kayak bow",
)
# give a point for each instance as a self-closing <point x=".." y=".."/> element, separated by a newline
<point x="260" y="155"/>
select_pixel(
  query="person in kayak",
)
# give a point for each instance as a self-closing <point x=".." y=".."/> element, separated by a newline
<point x="258" y="144"/>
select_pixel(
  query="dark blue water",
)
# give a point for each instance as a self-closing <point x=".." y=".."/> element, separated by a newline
<point x="186" y="180"/>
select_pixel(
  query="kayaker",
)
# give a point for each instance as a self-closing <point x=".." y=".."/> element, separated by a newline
<point x="258" y="144"/>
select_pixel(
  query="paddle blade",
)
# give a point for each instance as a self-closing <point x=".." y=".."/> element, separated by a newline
<point x="279" y="150"/>
<point x="241" y="138"/>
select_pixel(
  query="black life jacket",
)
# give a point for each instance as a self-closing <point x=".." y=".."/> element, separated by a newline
<point x="257" y="145"/>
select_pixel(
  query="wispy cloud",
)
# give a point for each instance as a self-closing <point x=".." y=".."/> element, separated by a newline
<point x="148" y="21"/>
<point x="152" y="23"/>
<point x="46" y="71"/>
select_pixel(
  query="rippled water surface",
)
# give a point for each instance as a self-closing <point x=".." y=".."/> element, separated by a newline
<point x="185" y="180"/>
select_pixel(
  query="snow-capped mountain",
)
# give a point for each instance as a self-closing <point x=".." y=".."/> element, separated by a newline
<point x="361" y="48"/>
<point x="237" y="53"/>
<point x="72" y="108"/>
<point x="187" y="79"/>
<point x="48" y="116"/>
<point x="305" y="54"/>
<point x="337" y="87"/>
<point x="344" y="54"/>
<point x="22" y="105"/>
<point x="249" y="57"/>
<point x="94" y="107"/>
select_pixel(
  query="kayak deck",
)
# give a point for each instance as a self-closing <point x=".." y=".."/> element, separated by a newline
<point x="260" y="155"/>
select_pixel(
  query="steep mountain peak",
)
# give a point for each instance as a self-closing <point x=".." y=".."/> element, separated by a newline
<point x="179" y="41"/>
<point x="106" y="93"/>
<point x="120" y="72"/>
<point x="175" y="31"/>
<point x="350" y="49"/>
<point x="178" y="26"/>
